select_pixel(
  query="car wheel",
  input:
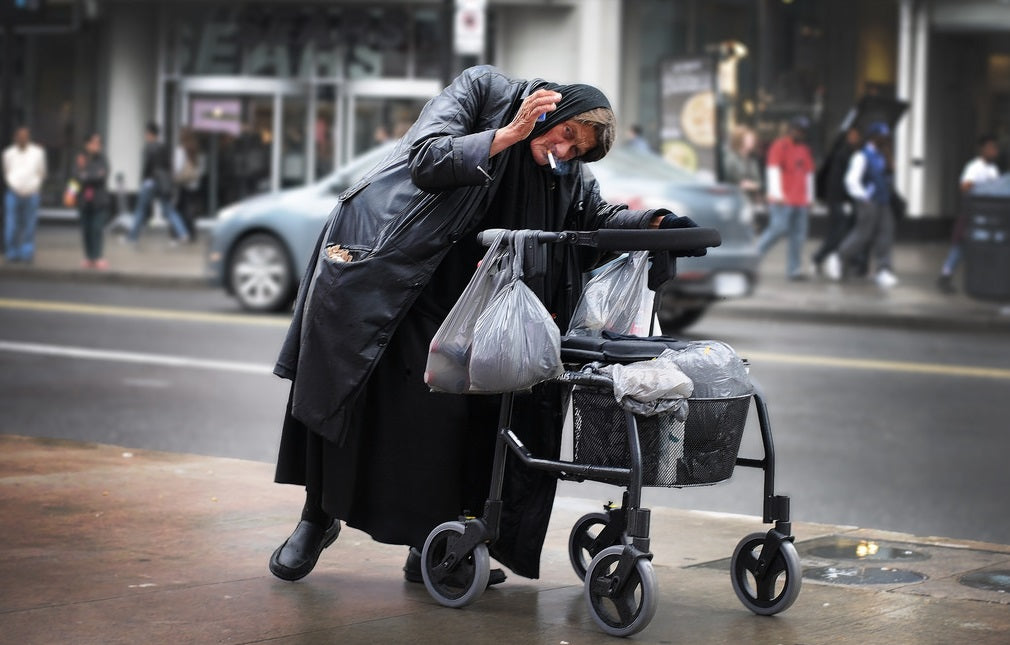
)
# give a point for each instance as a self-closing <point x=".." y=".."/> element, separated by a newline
<point x="260" y="275"/>
<point x="676" y="319"/>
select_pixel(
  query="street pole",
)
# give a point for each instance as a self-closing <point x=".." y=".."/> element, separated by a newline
<point x="448" y="51"/>
<point x="6" y="100"/>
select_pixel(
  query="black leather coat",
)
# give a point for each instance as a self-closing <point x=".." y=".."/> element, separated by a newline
<point x="398" y="223"/>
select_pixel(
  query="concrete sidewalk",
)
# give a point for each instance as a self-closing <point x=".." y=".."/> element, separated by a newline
<point x="101" y="544"/>
<point x="915" y="302"/>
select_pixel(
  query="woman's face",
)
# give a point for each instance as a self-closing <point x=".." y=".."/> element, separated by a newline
<point x="94" y="144"/>
<point x="565" y="141"/>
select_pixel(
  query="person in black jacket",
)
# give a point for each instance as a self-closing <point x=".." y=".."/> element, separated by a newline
<point x="362" y="432"/>
<point x="839" y="203"/>
<point x="91" y="172"/>
<point x="156" y="184"/>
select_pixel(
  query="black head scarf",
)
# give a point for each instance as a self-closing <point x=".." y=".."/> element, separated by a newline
<point x="576" y="99"/>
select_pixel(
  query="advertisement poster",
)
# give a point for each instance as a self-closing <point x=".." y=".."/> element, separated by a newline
<point x="216" y="115"/>
<point x="688" y="136"/>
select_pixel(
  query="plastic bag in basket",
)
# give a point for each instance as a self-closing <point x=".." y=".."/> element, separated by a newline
<point x="651" y="387"/>
<point x="612" y="299"/>
<point x="715" y="368"/>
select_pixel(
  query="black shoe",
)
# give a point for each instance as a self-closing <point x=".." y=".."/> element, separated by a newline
<point x="294" y="559"/>
<point x="945" y="284"/>
<point x="412" y="570"/>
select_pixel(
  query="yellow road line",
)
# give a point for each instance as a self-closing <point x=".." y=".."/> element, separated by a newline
<point x="142" y="312"/>
<point x="878" y="365"/>
<point x="907" y="367"/>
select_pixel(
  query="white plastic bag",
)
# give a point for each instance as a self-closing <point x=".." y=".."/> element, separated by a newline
<point x="612" y="300"/>
<point x="715" y="369"/>
<point x="650" y="387"/>
<point x="516" y="343"/>
<point x="447" y="368"/>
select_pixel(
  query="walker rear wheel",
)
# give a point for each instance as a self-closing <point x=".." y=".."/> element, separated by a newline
<point x="453" y="582"/>
<point x="582" y="541"/>
<point x="775" y="590"/>
<point x="624" y="612"/>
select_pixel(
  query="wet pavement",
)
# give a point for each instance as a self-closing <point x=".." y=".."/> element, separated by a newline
<point x="100" y="544"/>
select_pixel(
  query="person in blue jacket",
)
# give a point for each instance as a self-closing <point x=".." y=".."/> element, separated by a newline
<point x="870" y="185"/>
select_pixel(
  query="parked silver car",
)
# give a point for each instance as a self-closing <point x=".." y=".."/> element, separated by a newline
<point x="260" y="246"/>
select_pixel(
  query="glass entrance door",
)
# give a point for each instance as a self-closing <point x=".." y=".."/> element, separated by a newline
<point x="379" y="110"/>
<point x="255" y="135"/>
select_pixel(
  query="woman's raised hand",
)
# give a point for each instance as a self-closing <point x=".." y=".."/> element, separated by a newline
<point x="534" y="105"/>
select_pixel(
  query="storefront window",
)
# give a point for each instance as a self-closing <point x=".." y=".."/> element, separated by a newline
<point x="772" y="55"/>
<point x="315" y="83"/>
<point x="377" y="120"/>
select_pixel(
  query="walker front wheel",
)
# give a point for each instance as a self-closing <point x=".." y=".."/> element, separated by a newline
<point x="584" y="541"/>
<point x="776" y="589"/>
<point x="454" y="580"/>
<point x="620" y="608"/>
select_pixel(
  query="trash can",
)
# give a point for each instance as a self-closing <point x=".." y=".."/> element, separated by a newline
<point x="986" y="244"/>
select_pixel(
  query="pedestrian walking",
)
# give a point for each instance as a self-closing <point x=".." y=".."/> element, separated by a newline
<point x="362" y="432"/>
<point x="977" y="171"/>
<point x="91" y="171"/>
<point x="24" y="165"/>
<point x="840" y="219"/>
<point x="188" y="167"/>
<point x="740" y="166"/>
<point x="869" y="181"/>
<point x="636" y="139"/>
<point x="156" y="185"/>
<point x="790" y="190"/>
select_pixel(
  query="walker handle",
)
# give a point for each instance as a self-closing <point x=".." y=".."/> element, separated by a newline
<point x="674" y="240"/>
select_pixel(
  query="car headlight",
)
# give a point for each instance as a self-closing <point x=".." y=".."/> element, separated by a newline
<point x="228" y="212"/>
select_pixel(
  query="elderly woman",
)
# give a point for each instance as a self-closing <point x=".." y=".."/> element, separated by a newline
<point x="370" y="443"/>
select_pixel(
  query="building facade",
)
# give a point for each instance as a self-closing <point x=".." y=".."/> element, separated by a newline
<point x="282" y="92"/>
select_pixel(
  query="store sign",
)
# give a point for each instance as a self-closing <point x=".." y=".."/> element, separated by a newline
<point x="216" y="115"/>
<point x="469" y="27"/>
<point x="299" y="41"/>
<point x="688" y="135"/>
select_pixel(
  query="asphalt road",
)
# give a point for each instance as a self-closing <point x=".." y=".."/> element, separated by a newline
<point x="878" y="427"/>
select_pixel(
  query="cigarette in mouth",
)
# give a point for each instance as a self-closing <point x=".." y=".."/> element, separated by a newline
<point x="550" y="158"/>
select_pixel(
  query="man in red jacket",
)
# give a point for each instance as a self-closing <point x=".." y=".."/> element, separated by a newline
<point x="790" y="186"/>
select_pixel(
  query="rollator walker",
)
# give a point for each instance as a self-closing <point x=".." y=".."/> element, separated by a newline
<point x="610" y="550"/>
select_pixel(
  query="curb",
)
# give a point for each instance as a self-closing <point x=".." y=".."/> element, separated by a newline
<point x="933" y="322"/>
<point x="749" y="309"/>
<point x="109" y="277"/>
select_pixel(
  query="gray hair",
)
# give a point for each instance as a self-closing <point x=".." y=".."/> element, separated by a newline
<point x="604" y="124"/>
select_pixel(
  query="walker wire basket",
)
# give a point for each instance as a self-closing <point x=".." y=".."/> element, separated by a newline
<point x="700" y="451"/>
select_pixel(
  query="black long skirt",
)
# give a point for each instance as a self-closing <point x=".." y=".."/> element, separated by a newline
<point x="412" y="459"/>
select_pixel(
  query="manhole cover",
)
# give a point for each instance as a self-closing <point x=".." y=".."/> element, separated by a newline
<point x="848" y="549"/>
<point x="998" y="581"/>
<point x="862" y="575"/>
